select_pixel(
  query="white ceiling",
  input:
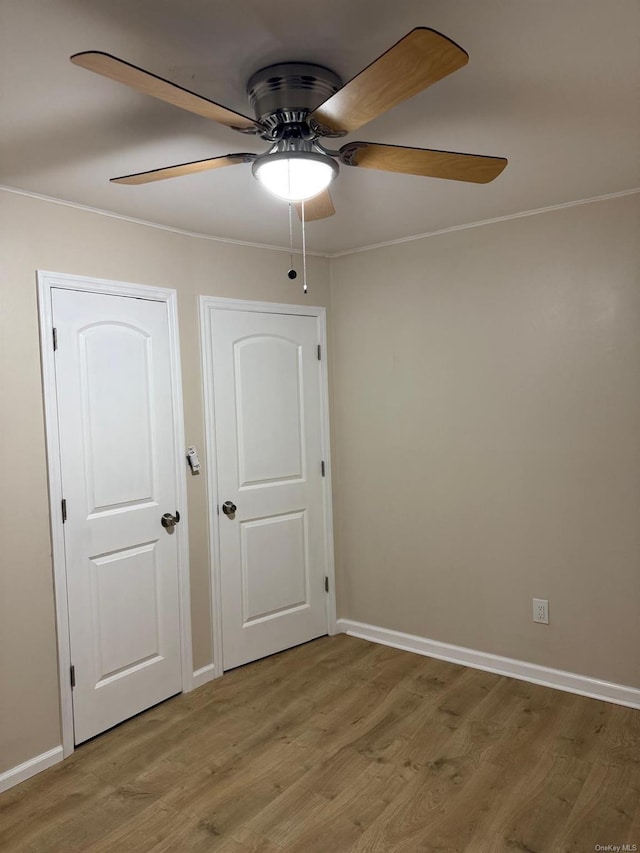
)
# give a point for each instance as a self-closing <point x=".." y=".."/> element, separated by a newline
<point x="553" y="85"/>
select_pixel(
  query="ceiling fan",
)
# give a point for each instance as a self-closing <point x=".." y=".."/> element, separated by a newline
<point x="298" y="105"/>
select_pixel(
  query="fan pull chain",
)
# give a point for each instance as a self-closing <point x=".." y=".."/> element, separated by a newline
<point x="291" y="269"/>
<point x="292" y="273"/>
<point x="304" y="253"/>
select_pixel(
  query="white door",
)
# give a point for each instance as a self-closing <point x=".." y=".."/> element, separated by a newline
<point x="116" y="427"/>
<point x="268" y="424"/>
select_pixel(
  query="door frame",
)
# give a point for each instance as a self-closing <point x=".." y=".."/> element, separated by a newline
<point x="207" y="304"/>
<point x="46" y="282"/>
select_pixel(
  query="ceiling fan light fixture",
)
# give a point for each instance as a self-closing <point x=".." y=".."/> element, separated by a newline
<point x="295" y="175"/>
<point x="298" y="104"/>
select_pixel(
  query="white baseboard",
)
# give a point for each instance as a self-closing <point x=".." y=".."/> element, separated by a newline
<point x="41" y="762"/>
<point x="204" y="674"/>
<point x="561" y="680"/>
<point x="29" y="768"/>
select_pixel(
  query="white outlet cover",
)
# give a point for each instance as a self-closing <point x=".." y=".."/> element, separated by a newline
<point x="541" y="610"/>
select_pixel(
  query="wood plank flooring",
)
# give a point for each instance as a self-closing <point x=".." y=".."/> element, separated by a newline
<point x="342" y="746"/>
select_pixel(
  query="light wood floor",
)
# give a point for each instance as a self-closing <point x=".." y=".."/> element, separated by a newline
<point x="342" y="745"/>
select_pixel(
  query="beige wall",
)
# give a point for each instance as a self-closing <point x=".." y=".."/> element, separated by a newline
<point x="35" y="234"/>
<point x="486" y="419"/>
<point x="486" y="406"/>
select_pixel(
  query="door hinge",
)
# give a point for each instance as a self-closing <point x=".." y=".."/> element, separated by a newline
<point x="322" y="467"/>
<point x="55" y="338"/>
<point x="64" y="510"/>
<point x="326" y="584"/>
<point x="319" y="353"/>
<point x="72" y="675"/>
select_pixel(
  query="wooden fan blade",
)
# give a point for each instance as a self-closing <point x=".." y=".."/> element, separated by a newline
<point x="184" y="169"/>
<point x="425" y="162"/>
<point x="157" y="87"/>
<point x="318" y="207"/>
<point x="419" y="59"/>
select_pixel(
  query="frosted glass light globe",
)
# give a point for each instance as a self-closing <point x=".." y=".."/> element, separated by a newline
<point x="295" y="176"/>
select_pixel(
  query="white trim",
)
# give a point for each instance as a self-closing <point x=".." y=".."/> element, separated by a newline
<point x="148" y="224"/>
<point x="559" y="679"/>
<point x="203" y="675"/>
<point x="328" y="488"/>
<point x="225" y="303"/>
<point x="186" y="649"/>
<point x="480" y="222"/>
<point x="55" y="496"/>
<point x="46" y="282"/>
<point x="207" y="303"/>
<point x="29" y="768"/>
<point x="215" y="585"/>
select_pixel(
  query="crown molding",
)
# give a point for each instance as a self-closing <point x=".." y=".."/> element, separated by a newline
<point x="368" y="248"/>
<point x="481" y="222"/>
<point x="100" y="212"/>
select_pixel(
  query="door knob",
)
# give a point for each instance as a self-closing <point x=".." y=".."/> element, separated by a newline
<point x="229" y="508"/>
<point x="169" y="520"/>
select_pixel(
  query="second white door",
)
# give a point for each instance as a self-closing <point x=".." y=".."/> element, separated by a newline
<point x="269" y="468"/>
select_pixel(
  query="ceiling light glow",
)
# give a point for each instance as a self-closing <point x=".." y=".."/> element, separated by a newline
<point x="295" y="175"/>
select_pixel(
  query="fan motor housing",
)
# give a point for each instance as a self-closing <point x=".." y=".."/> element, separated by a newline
<point x="289" y="91"/>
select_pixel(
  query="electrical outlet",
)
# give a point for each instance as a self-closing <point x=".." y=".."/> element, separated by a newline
<point x="541" y="610"/>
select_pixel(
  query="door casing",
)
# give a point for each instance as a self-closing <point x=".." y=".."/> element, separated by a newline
<point x="46" y="281"/>
<point x="207" y="304"/>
